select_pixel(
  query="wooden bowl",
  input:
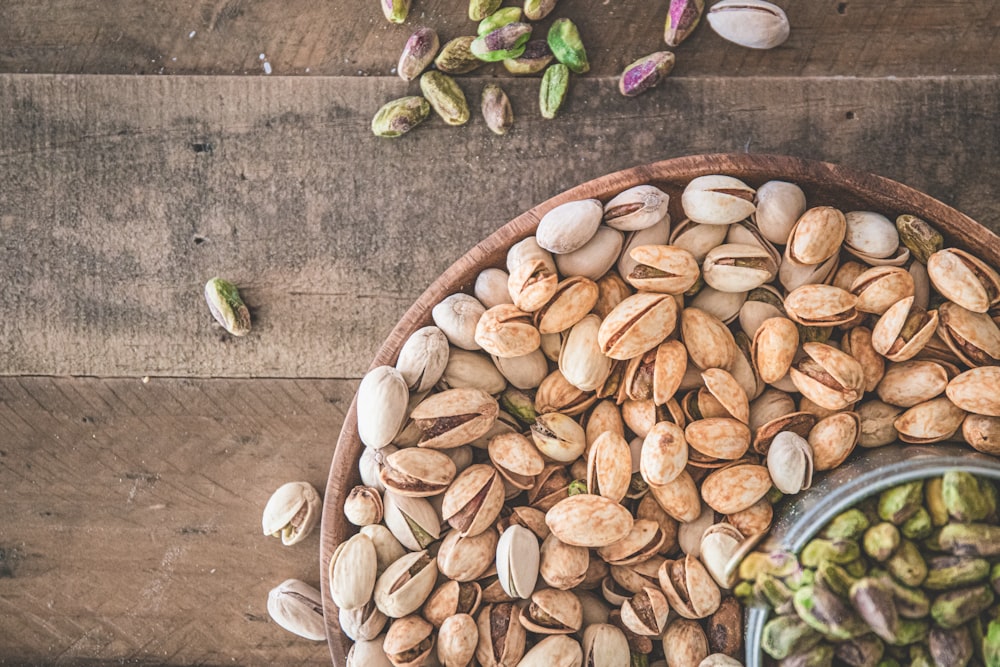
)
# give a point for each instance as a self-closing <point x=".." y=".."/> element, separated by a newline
<point x="823" y="183"/>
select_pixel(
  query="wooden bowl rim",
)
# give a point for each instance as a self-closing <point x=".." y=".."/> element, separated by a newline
<point x="891" y="195"/>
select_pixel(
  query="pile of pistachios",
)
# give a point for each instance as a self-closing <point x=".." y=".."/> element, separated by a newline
<point x="908" y="577"/>
<point x="564" y="467"/>
<point x="504" y="35"/>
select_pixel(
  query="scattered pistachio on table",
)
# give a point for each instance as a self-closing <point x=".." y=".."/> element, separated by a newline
<point x="292" y="512"/>
<point x="755" y="24"/>
<point x="552" y="93"/>
<point x="227" y="307"/>
<point x="496" y="109"/>
<point x="297" y="607"/>
<point x="398" y="117"/>
<point x="445" y="97"/>
<point x="418" y="53"/>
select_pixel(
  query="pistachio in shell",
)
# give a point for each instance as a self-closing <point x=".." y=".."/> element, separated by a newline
<point x="587" y="520"/>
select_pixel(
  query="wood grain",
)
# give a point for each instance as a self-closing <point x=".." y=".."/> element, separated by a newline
<point x="122" y="196"/>
<point x="301" y="37"/>
<point x="131" y="529"/>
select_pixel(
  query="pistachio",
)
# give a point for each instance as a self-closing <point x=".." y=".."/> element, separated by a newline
<point x="227" y="307"/>
<point x="457" y="316"/>
<point x="399" y="116"/>
<point x="457" y="639"/>
<point x="552" y="92"/>
<point x="473" y="501"/>
<point x="689" y="587"/>
<point x="609" y="466"/>
<point x="480" y="9"/>
<point x="922" y="239"/>
<point x="506" y="331"/>
<point x="637" y="324"/>
<point x="452" y="598"/>
<point x="363" y="506"/>
<point x="709" y="341"/>
<point x="412" y="521"/>
<point x="973" y="337"/>
<point x="636" y="208"/>
<point x="498" y="19"/>
<point x="779" y="206"/>
<point x="954" y="608"/>
<point x="552" y="612"/>
<point x="662" y="268"/>
<point x="816" y="236"/>
<point x="536" y="10"/>
<point x="454" y="417"/>
<point x="880" y="287"/>
<point x="790" y="462"/>
<point x="361" y="624"/>
<point x="423" y="358"/>
<point x="773" y="348"/>
<point x="679" y="498"/>
<point x="717" y="200"/>
<point x="418" y="53"/>
<point x="569" y="226"/>
<point x="292" y="512"/>
<point x="646" y="612"/>
<point x="964" y="279"/>
<point x="735" y="487"/>
<point x="501" y="635"/>
<point x="496" y="109"/>
<point x="738" y="267"/>
<point x="682" y="18"/>
<point x="503" y="43"/>
<point x="604" y="645"/>
<point x="409" y="641"/>
<point x="517" y="561"/>
<point x="387" y="547"/>
<point x="788" y="635"/>
<point x="564" y="40"/>
<point x="554" y="651"/>
<point x="589" y="521"/>
<point x="595" y="258"/>
<point x="297" y="607"/>
<point x="417" y="472"/>
<point x="931" y="421"/>
<point x="536" y="57"/>
<point x="975" y="391"/>
<point x="456" y="58"/>
<point x="445" y="97"/>
<point x="406" y="584"/>
<point x="645" y="73"/>
<point x="352" y="572"/>
<point x="755" y="24"/>
<point x="395" y="10"/>
<point x="719" y="545"/>
<point x="833" y="438"/>
<point x="828" y="377"/>
<point x="821" y="305"/>
<point x="465" y="558"/>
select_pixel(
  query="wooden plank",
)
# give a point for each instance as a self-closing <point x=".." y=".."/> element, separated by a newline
<point x="829" y="37"/>
<point x="132" y="517"/>
<point x="122" y="196"/>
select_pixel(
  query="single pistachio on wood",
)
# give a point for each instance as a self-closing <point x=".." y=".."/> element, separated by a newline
<point x="395" y="11"/>
<point x="682" y="18"/>
<point x="227" y="307"/>
<point x="564" y="40"/>
<point x="536" y="56"/>
<point x="480" y="9"/>
<point x="399" y="116"/>
<point x="292" y="512"/>
<point x="645" y="73"/>
<point x="496" y="109"/>
<point x="755" y="24"/>
<point x="456" y="56"/>
<point x="503" y="43"/>
<point x="498" y="19"/>
<point x="536" y="10"/>
<point x="297" y="607"/>
<point x="445" y="97"/>
<point x="418" y="52"/>
<point x="552" y="93"/>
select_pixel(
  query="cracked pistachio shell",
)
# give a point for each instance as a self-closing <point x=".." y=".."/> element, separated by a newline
<point x="558" y="437"/>
<point x="595" y="258"/>
<point x="471" y="370"/>
<point x="466" y="558"/>
<point x="368" y="654"/>
<point x="503" y="43"/>
<point x="557" y="394"/>
<point x="698" y="238"/>
<point x="501" y="635"/>
<point x="581" y="360"/>
<point x="457" y="639"/>
<point x="554" y="651"/>
<point x="417" y="472"/>
<point x="387" y="547"/>
<point x="833" y="438"/>
<point x="517" y="561"/>
<point x="352" y="571"/>
<point x="636" y="208"/>
<point x="679" y="498"/>
<point x="397" y="117"/>
<point x="685" y="643"/>
<point x="709" y="341"/>
<point x="880" y="287"/>
<point x="642" y="543"/>
<point x="362" y="624"/>
<point x="567" y="227"/>
<point x="664" y="453"/>
<point x="717" y="200"/>
<point x="682" y="18"/>
<point x="573" y="299"/>
<point x="450" y="598"/>
<point x="423" y="358"/>
<point x="718" y="437"/>
<point x="553" y="612"/>
<point x="779" y="206"/>
<point x="227" y="307"/>
<point x="973" y="337"/>
<point x="657" y="374"/>
<point x="456" y="57"/>
<point x="689" y="588"/>
<point x="870" y="234"/>
<point x="552" y="92"/>
<point x="760" y="304"/>
<point x="409" y="641"/>
<point x="773" y="348"/>
<point x="645" y="73"/>
<point x="637" y="324"/>
<point x="445" y="97"/>
<point x="363" y="506"/>
<point x="656" y="234"/>
<point x="857" y="342"/>
<point x="491" y="287"/>
<point x="724" y="305"/>
<point x="587" y="520"/>
<point x="903" y="330"/>
<point x="728" y="392"/>
<point x="908" y="383"/>
<point x="406" y="584"/>
<point x="755" y="24"/>
<point x="297" y="607"/>
<point x="719" y="545"/>
<point x="412" y="521"/>
<point x="473" y="501"/>
<point x="662" y="268"/>
<point x="497" y="112"/>
<point x="790" y="462"/>
<point x="609" y="466"/>
<point x="964" y="279"/>
<point x="931" y="421"/>
<point x="738" y="267"/>
<point x="646" y="612"/>
<point x="604" y="645"/>
<point x="977" y="391"/>
<point x="828" y="377"/>
<point x="507" y="331"/>
<point x="454" y="417"/>
<point x="735" y="487"/>
<point x="382" y="401"/>
<point x="292" y="512"/>
<point x="792" y="275"/>
<point x="418" y="52"/>
<point x="816" y="236"/>
<point x="563" y="566"/>
<point x="457" y="315"/>
<point x="821" y="305"/>
<point x="920" y="237"/>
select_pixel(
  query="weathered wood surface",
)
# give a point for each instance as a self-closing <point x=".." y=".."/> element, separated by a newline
<point x="131" y="531"/>
<point x="829" y="37"/>
<point x="122" y="196"/>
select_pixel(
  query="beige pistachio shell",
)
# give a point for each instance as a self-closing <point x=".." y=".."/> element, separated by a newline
<point x="558" y="437"/>
<point x="724" y="305"/>
<point x="755" y="520"/>
<point x="465" y="558"/>
<point x="858" y="343"/>
<point x="587" y="520"/>
<point x="977" y="391"/>
<point x="792" y="275"/>
<point x="719" y="545"/>
<point x="524" y="372"/>
<point x="507" y="331"/>
<point x="352" y="571"/>
<point x="581" y="359"/>
<point x="382" y="400"/>
<point x="551" y="486"/>
<point x="574" y="298"/>
<point x="973" y="337"/>
<point x="292" y="512"/>
<point x="821" y="305"/>
<point x="297" y="607"/>
<point x="881" y="286"/>
<point x="964" y="279"/>
<point x="828" y="377"/>
<point x="816" y="236"/>
<point x="457" y="316"/>
<point x="409" y="641"/>
<point x="684" y="641"/>
<point x="554" y="651"/>
<point x="773" y="348"/>
<point x="709" y="341"/>
<point x="689" y="588"/>
<point x="491" y="287"/>
<point x="664" y="453"/>
<point x="679" y="498"/>
<point x="655" y="235"/>
<point x="406" y="584"/>
<point x="452" y="598"/>
<point x="609" y="467"/>
<point x="563" y="566"/>
<point x="473" y="501"/>
<point x="553" y="612"/>
<point x="457" y="640"/>
<point x="533" y="278"/>
<point x="639" y="323"/>
<point x="903" y="330"/>
<point x="423" y="357"/>
<point x="569" y="226"/>
<point x="363" y="506"/>
<point x="387" y="547"/>
<point x="641" y="543"/>
<point x="870" y="234"/>
<point x="604" y="416"/>
<point x="698" y="238"/>
<point x="982" y="433"/>
<point x="833" y="438"/>
<point x="515" y="453"/>
<point x="649" y="508"/>
<point x="663" y="268"/>
<point x="417" y="472"/>
<point x="595" y="258"/>
<point x="717" y="200"/>
<point x="779" y="206"/>
<point x="470" y="370"/>
<point x="454" y="417"/>
<point x="646" y="612"/>
<point x="908" y="383"/>
<point x="738" y="267"/>
<point x="368" y="654"/>
<point x="728" y="392"/>
<point x="501" y="635"/>
<point x="604" y="645"/>
<point x="932" y="421"/>
<point x="361" y="624"/>
<point x="735" y="487"/>
<point x="877" y="423"/>
<point x="689" y="534"/>
<point x="636" y="208"/>
<point x="517" y="559"/>
<point x="719" y="437"/>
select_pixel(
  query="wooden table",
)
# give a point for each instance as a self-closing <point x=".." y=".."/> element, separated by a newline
<point x="139" y="442"/>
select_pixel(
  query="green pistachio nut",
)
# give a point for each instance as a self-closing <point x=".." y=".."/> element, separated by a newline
<point x="801" y="577"/>
<point x="876" y="605"/>
<point x="456" y="57"/>
<point x="866" y="651"/>
<point x="395" y="11"/>
<point x="536" y="57"/>
<point x="809" y="334"/>
<point x="536" y="10"/>
<point x="227" y="307"/>
<point x="967" y="498"/>
<point x="921" y="657"/>
<point x="445" y="97"/>
<point x="934" y="501"/>
<point x="910" y="602"/>
<point x="834" y="577"/>
<point x="950" y="647"/>
<point x="774" y="495"/>
<point x="564" y="40"/>
<point x="788" y="635"/>
<point x="899" y="503"/>
<point x="577" y="487"/>
<point x="496" y="109"/>
<point x="645" y="73"/>
<point x="954" y="608"/>
<point x="907" y="564"/>
<point x="818" y="656"/>
<point x="682" y="18"/>
<point x="970" y="539"/>
<point x="776" y="563"/>
<point x="744" y="592"/>
<point x="917" y="235"/>
<point x="827" y="613"/>
<point x="498" y="19"/>
<point x="418" y="52"/>
<point x="773" y="590"/>
<point x="480" y="9"/>
<point x="552" y="93"/>
<point x="880" y="541"/>
<point x="918" y="526"/>
<point x="503" y="43"/>
<point x="947" y="572"/>
<point x="519" y="404"/>
<point x="991" y="644"/>
<point x="910" y="632"/>
<point x="849" y="525"/>
<point x="836" y="551"/>
<point x="636" y="659"/>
